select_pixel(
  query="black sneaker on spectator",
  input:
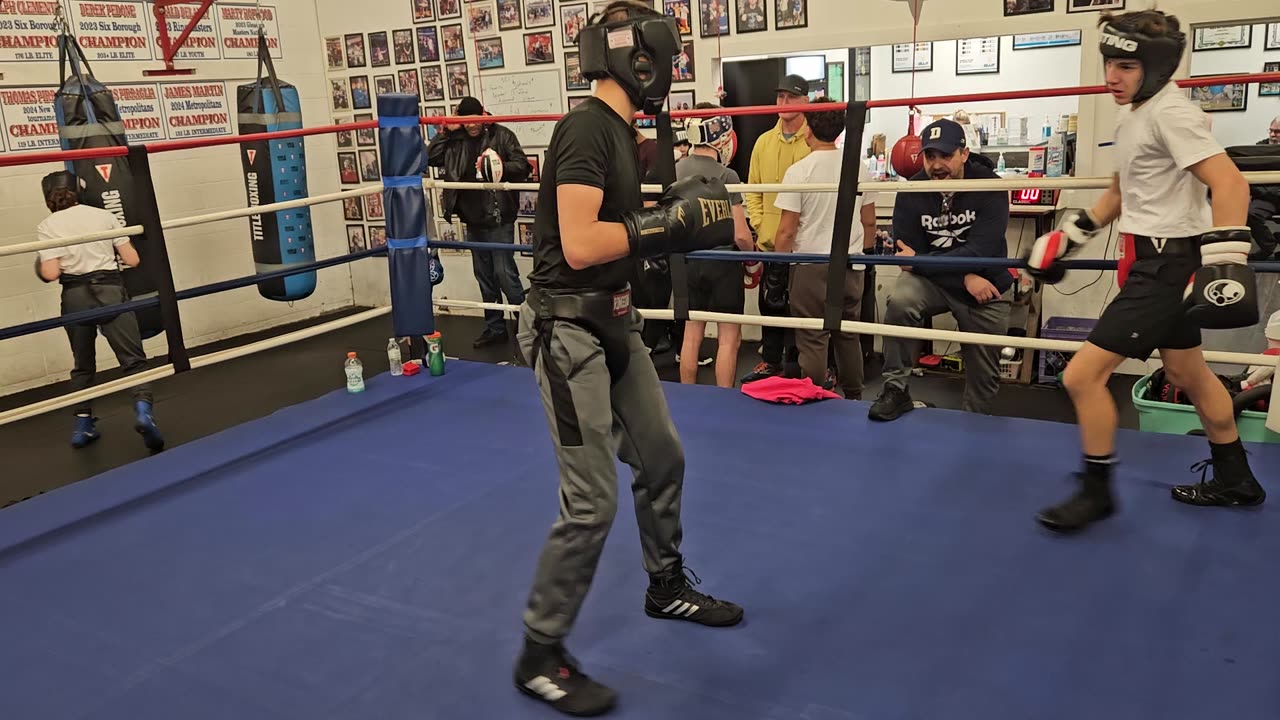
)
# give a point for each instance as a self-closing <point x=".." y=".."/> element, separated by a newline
<point x="550" y="674"/>
<point x="892" y="403"/>
<point x="489" y="337"/>
<point x="761" y="371"/>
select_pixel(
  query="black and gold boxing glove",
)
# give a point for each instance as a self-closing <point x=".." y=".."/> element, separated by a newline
<point x="693" y="214"/>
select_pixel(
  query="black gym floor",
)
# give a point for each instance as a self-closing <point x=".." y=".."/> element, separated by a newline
<point x="38" y="456"/>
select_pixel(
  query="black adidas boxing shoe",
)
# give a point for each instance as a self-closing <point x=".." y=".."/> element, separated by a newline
<point x="1233" y="485"/>
<point x="548" y="673"/>
<point x="671" y="597"/>
<point x="1091" y="503"/>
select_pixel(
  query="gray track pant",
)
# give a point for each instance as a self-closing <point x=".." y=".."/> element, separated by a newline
<point x="592" y="423"/>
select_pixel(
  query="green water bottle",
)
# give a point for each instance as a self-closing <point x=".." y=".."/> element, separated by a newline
<point x="435" y="353"/>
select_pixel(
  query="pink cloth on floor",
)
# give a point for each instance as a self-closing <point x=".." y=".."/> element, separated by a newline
<point x="787" y="391"/>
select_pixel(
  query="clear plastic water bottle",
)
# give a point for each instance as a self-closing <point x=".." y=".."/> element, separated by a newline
<point x="355" y="373"/>
<point x="393" y="357"/>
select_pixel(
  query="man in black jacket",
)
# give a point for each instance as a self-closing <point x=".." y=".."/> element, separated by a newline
<point x="484" y="152"/>
<point x="966" y="224"/>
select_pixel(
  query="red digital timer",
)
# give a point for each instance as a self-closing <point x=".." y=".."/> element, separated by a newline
<point x="1034" y="196"/>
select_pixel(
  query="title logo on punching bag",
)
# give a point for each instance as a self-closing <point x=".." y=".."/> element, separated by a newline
<point x="255" y="221"/>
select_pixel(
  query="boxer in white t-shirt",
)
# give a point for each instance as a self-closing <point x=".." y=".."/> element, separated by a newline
<point x="1182" y="269"/>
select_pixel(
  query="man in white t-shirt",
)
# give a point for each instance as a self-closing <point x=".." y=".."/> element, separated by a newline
<point x="1183" y="267"/>
<point x="90" y="275"/>
<point x="806" y="226"/>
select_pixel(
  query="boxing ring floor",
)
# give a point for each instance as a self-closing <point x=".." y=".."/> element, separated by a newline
<point x="368" y="556"/>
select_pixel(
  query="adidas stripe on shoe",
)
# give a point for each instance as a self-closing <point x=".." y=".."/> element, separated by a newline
<point x="671" y="597"/>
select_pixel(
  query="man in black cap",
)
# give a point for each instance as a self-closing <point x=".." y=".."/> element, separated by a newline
<point x="489" y="153"/>
<point x="967" y="224"/>
<point x="774" y="152"/>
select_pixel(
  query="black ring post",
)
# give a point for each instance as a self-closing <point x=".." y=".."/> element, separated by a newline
<point x="160" y="270"/>
<point x="855" y="121"/>
<point x="665" y="172"/>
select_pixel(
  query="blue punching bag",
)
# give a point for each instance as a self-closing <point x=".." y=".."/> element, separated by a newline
<point x="275" y="171"/>
<point x="87" y="117"/>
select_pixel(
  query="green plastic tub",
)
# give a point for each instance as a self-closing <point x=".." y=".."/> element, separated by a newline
<point x="1163" y="417"/>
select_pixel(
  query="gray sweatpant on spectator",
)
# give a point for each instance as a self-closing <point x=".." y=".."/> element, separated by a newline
<point x="915" y="298"/>
<point x="592" y="423"/>
<point x="121" y="332"/>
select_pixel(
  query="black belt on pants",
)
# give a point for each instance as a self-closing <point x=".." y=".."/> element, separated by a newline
<point x="92" y="282"/>
<point x="603" y="313"/>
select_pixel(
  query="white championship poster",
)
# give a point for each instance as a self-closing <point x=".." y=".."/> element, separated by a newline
<point x="201" y="44"/>
<point x="193" y="110"/>
<point x="26" y="30"/>
<point x="29" y="122"/>
<point x="139" y="106"/>
<point x="112" y="30"/>
<point x="238" y="26"/>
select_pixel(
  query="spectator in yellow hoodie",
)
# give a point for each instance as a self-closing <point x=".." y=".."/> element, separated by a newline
<point x="775" y="151"/>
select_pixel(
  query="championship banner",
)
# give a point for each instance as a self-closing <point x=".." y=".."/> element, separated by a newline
<point x="201" y="44"/>
<point x="194" y="110"/>
<point x="139" y="106"/>
<point x="238" y="25"/>
<point x="26" y="30"/>
<point x="112" y="30"/>
<point x="29" y="119"/>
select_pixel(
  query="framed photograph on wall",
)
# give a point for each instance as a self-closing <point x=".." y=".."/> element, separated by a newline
<point x="369" y="169"/>
<point x="335" y="53"/>
<point x="682" y="64"/>
<point x="790" y="14"/>
<point x="355" y="239"/>
<point x="680" y="10"/>
<point x="409" y="82"/>
<point x="752" y="16"/>
<point x="1232" y="97"/>
<point x="448" y="9"/>
<point x="1269" y="89"/>
<point x="339" y="94"/>
<point x="384" y="85"/>
<point x="528" y="204"/>
<point x="535" y="164"/>
<point x="430" y="131"/>
<point x="681" y="100"/>
<point x="349" y="174"/>
<point x="538" y="14"/>
<point x="539" y="49"/>
<point x="1273" y="37"/>
<point x="489" y="53"/>
<point x="346" y="138"/>
<point x="423" y="11"/>
<point x="482" y="18"/>
<point x="455" y="47"/>
<point x="377" y="236"/>
<point x="402" y="46"/>
<point x="352" y="209"/>
<point x="361" y="98"/>
<point x="573" y="79"/>
<point x="428" y="45"/>
<point x="1079" y="6"/>
<point x="573" y="18"/>
<point x="373" y="207"/>
<point x="576" y="101"/>
<point x="366" y="137"/>
<point x="713" y="17"/>
<point x="1226" y="37"/>
<point x="459" y="83"/>
<point x="379" y="51"/>
<point x="432" y="83"/>
<point x="1026" y="7"/>
<point x="509" y="15"/>
<point x="355" y="51"/>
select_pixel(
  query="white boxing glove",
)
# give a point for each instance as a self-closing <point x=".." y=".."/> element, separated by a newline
<point x="489" y="166"/>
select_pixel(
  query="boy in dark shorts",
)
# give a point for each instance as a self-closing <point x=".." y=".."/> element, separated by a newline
<point x="1183" y="267"/>
<point x="714" y="285"/>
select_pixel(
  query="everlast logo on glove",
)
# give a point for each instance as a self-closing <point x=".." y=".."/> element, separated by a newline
<point x="714" y="210"/>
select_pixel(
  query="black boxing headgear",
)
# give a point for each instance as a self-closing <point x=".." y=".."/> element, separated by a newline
<point x="60" y="180"/>
<point x="635" y="52"/>
<point x="1160" y="55"/>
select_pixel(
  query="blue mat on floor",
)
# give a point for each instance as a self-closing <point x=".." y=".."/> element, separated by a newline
<point x="368" y="557"/>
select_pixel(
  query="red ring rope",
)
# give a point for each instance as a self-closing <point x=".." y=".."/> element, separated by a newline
<point x="14" y="159"/>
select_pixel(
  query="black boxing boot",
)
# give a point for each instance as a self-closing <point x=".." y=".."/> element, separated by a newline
<point x="671" y="597"/>
<point x="1091" y="503"/>
<point x="550" y="674"/>
<point x="1233" y="483"/>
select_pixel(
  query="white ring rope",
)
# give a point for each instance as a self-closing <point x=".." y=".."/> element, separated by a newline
<point x="124" y="383"/>
<point x="899" y="331"/>
<point x="35" y="245"/>
<point x="1257" y="178"/>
